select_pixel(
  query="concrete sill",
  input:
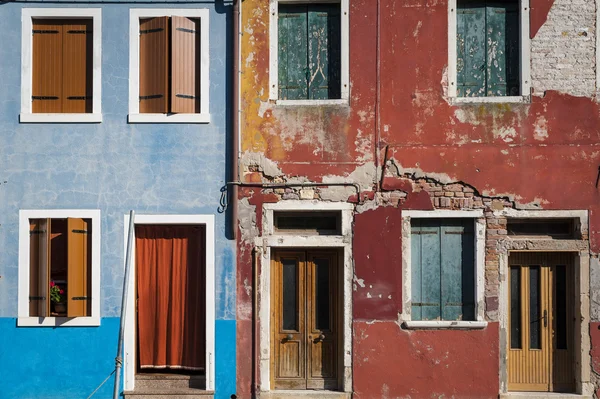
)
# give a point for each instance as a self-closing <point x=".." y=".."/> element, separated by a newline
<point x="169" y="118"/>
<point x="543" y="395"/>
<point x="491" y="100"/>
<point x="308" y="103"/>
<point x="92" y="321"/>
<point x="60" y="118"/>
<point x="444" y="325"/>
<point x="304" y="394"/>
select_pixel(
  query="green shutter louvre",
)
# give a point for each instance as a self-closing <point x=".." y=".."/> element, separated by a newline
<point x="324" y="51"/>
<point x="293" y="47"/>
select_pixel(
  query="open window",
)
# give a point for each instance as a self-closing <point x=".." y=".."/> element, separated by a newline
<point x="61" y="65"/>
<point x="309" y="52"/>
<point x="58" y="267"/>
<point x="169" y="66"/>
<point x="488" y="51"/>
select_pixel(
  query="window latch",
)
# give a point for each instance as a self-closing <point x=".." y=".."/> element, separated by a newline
<point x="81" y="298"/>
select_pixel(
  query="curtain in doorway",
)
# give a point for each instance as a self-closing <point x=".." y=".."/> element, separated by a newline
<point x="170" y="268"/>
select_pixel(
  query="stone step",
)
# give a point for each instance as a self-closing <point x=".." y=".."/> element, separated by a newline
<point x="168" y="394"/>
<point x="305" y="394"/>
<point x="169" y="381"/>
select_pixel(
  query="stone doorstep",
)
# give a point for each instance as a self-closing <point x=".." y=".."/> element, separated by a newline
<point x="170" y="394"/>
<point x="542" y="395"/>
<point x="308" y="394"/>
<point x="169" y="381"/>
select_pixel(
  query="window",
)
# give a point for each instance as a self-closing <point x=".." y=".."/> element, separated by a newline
<point x="489" y="50"/>
<point x="309" y="54"/>
<point x="169" y="66"/>
<point x="61" y="65"/>
<point x="59" y="251"/>
<point x="443" y="267"/>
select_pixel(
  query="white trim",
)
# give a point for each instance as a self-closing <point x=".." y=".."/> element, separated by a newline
<point x="27" y="64"/>
<point x="437" y="324"/>
<point x="274" y="49"/>
<point x="270" y="241"/>
<point x="524" y="60"/>
<point x="129" y="348"/>
<point x="597" y="83"/>
<point x="60" y="118"/>
<point x="23" y="281"/>
<point x="168" y="118"/>
<point x="291" y="103"/>
<point x="479" y="244"/>
<point x="134" y="65"/>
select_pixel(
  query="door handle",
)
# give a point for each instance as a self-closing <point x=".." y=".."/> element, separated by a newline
<point x="288" y="337"/>
<point x="320" y="337"/>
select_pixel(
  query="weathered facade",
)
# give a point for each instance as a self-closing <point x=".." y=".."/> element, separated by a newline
<point x="94" y="165"/>
<point x="398" y="147"/>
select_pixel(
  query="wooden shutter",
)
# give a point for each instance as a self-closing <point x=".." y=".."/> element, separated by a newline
<point x="185" y="65"/>
<point x="457" y="270"/>
<point x="78" y="231"/>
<point x="77" y="66"/>
<point x="154" y="54"/>
<point x="324" y="49"/>
<point x="442" y="270"/>
<point x="502" y="37"/>
<point x="470" y="49"/>
<point x="39" y="296"/>
<point x="293" y="72"/>
<point x="47" y="68"/>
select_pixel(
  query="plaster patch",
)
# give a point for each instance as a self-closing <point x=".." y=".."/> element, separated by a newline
<point x="265" y="165"/>
<point x="363" y="175"/>
<point x="506" y="133"/>
<point x="247" y="220"/>
<point x="540" y="131"/>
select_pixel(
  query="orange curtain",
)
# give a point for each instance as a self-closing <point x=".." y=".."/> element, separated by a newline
<point x="170" y="265"/>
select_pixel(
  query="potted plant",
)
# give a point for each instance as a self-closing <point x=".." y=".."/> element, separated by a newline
<point x="57" y="299"/>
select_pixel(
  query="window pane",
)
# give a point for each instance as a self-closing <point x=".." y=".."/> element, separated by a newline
<point x="534" y="308"/>
<point x="290" y="294"/>
<point x="322" y="297"/>
<point x="515" y="307"/>
<point x="561" y="306"/>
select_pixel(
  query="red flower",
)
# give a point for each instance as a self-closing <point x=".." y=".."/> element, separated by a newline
<point x="62" y="291"/>
<point x="51" y="283"/>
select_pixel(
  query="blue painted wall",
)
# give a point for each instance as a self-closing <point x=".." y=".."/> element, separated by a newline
<point x="112" y="166"/>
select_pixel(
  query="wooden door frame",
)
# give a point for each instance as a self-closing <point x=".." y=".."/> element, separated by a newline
<point x="579" y="247"/>
<point x="270" y="241"/>
<point x="130" y="339"/>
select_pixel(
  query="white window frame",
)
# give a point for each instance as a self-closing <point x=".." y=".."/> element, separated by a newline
<point x="27" y="15"/>
<point x="524" y="60"/>
<point x="274" y="53"/>
<point x="479" y="244"/>
<point x="130" y="347"/>
<point x="24" y="319"/>
<point x="134" y="66"/>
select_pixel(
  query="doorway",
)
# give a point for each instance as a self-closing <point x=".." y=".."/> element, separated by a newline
<point x="541" y="355"/>
<point x="305" y="319"/>
<point x="170" y="298"/>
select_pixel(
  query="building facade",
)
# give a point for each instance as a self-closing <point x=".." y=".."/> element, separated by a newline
<point x="418" y="185"/>
<point x="107" y="108"/>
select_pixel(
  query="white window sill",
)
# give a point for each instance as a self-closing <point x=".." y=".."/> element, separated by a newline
<point x="60" y="118"/>
<point x="93" y="321"/>
<point x="169" y="118"/>
<point x="450" y="325"/>
<point x="341" y="101"/>
<point x="490" y="100"/>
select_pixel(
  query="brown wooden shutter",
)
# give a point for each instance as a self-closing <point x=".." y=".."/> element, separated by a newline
<point x="154" y="54"/>
<point x="77" y="66"/>
<point x="39" y="299"/>
<point x="77" y="267"/>
<point x="47" y="66"/>
<point x="185" y="65"/>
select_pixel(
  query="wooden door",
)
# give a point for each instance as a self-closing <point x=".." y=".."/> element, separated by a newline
<point x="304" y="320"/>
<point x="541" y="289"/>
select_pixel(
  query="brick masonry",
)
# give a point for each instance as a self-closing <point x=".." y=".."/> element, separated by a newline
<point x="563" y="56"/>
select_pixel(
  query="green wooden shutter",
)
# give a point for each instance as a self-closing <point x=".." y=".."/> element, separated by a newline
<point x="470" y="49"/>
<point x="487" y="45"/>
<point x="442" y="262"/>
<point x="324" y="51"/>
<point x="457" y="270"/>
<point x="502" y="21"/>
<point x="293" y="49"/>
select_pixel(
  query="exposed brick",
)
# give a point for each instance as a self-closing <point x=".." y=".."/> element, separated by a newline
<point x="491" y="304"/>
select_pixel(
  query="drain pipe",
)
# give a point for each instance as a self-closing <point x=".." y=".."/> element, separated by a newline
<point x="235" y="130"/>
<point x="119" y="358"/>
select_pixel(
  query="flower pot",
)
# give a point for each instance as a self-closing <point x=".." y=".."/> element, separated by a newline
<point x="59" y="307"/>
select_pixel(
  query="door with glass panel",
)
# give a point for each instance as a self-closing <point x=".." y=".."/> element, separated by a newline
<point x="541" y="321"/>
<point x="304" y="340"/>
